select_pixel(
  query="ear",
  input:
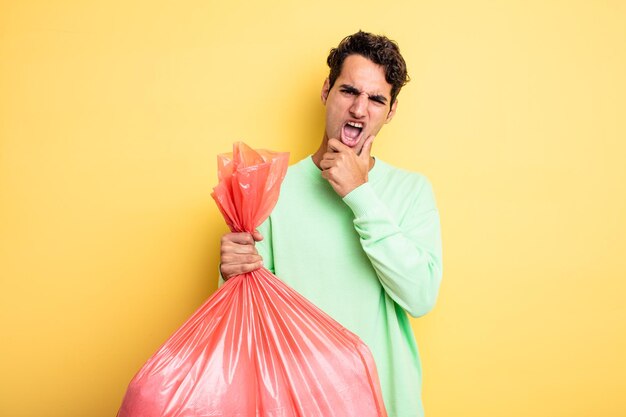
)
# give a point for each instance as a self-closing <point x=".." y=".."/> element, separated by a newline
<point x="392" y="111"/>
<point x="325" y="90"/>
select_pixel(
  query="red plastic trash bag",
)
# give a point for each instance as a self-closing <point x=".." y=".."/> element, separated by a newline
<point x="256" y="348"/>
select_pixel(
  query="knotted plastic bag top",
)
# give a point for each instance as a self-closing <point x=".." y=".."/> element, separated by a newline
<point x="249" y="183"/>
<point x="256" y="348"/>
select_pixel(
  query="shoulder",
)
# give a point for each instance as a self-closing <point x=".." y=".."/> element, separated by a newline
<point x="302" y="172"/>
<point x="298" y="168"/>
<point x="302" y="179"/>
<point x="403" y="180"/>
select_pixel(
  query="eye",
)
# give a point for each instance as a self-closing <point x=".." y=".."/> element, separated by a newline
<point x="348" y="91"/>
<point x="378" y="101"/>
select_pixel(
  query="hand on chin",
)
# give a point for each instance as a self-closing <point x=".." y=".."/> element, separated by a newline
<point x="346" y="167"/>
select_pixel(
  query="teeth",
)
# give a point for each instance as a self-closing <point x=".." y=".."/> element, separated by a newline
<point x="356" y="124"/>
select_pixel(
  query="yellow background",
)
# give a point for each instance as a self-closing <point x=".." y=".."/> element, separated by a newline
<point x="111" y="116"/>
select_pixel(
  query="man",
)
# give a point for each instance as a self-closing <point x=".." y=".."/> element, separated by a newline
<point x="356" y="236"/>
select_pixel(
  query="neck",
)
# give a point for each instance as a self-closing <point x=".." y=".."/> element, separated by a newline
<point x="317" y="156"/>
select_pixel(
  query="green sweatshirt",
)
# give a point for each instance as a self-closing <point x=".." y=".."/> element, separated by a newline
<point x="367" y="260"/>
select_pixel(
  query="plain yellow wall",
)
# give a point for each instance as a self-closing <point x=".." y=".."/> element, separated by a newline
<point x="111" y="116"/>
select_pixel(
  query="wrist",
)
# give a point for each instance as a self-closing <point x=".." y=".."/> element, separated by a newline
<point x="360" y="199"/>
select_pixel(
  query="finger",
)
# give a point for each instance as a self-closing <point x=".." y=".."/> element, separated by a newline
<point x="257" y="236"/>
<point x="330" y="155"/>
<point x="335" y="145"/>
<point x="326" y="164"/>
<point x="329" y="174"/>
<point x="230" y="259"/>
<point x="230" y="250"/>
<point x="329" y="177"/>
<point x="236" y="249"/>
<point x="242" y="238"/>
<point x="367" y="148"/>
<point x="229" y="271"/>
<point x="241" y="249"/>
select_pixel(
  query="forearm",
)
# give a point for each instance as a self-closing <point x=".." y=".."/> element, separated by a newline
<point x="406" y="257"/>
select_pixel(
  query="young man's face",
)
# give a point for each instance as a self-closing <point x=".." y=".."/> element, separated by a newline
<point x="358" y="105"/>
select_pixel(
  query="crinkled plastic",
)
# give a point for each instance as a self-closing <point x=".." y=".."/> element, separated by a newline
<point x="256" y="348"/>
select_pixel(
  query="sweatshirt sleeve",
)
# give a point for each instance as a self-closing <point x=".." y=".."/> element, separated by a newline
<point x="264" y="247"/>
<point x="405" y="252"/>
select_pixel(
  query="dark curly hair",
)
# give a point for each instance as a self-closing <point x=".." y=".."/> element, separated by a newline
<point x="378" y="49"/>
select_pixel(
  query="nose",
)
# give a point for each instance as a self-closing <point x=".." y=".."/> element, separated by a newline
<point x="359" y="105"/>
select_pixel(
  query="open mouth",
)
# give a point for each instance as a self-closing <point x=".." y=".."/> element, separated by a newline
<point x="351" y="133"/>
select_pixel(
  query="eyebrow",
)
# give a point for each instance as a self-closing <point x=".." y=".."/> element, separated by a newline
<point x="376" y="97"/>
